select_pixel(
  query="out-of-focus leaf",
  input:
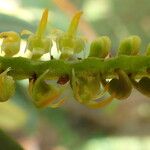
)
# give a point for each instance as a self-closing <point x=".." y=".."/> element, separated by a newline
<point x="12" y="116"/>
<point x="12" y="23"/>
<point x="7" y="143"/>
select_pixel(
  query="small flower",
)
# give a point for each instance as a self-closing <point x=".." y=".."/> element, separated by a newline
<point x="7" y="86"/>
<point x="11" y="43"/>
<point x="67" y="42"/>
<point x="100" y="47"/>
<point x="87" y="89"/>
<point x="44" y="94"/>
<point x="130" y="45"/>
<point x="143" y="85"/>
<point x="38" y="43"/>
<point x="120" y="87"/>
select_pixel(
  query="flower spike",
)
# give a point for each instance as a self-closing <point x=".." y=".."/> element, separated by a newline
<point x="42" y="93"/>
<point x="11" y="43"/>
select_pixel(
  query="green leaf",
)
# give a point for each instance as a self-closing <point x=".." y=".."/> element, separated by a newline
<point x="7" y="143"/>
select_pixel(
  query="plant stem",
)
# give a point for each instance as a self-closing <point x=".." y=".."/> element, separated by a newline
<point x="23" y="68"/>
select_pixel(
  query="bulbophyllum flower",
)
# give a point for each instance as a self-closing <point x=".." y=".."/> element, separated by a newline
<point x="100" y="47"/>
<point x="87" y="89"/>
<point x="7" y="86"/>
<point x="119" y="87"/>
<point x="68" y="43"/>
<point x="130" y="45"/>
<point x="143" y="85"/>
<point x="44" y="94"/>
<point x="11" y="43"/>
<point x="38" y="43"/>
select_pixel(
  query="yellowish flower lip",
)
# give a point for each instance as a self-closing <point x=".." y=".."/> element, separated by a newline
<point x="47" y="101"/>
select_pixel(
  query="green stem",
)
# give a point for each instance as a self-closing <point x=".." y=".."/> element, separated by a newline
<point x="23" y="68"/>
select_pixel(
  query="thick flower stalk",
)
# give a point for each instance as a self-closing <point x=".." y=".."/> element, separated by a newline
<point x="95" y="80"/>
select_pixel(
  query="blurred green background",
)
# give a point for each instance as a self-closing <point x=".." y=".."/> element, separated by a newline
<point x="120" y="126"/>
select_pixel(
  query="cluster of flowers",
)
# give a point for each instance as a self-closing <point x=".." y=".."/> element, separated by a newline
<point x="87" y="86"/>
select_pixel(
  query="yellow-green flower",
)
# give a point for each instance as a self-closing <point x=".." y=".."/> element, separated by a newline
<point x="130" y="45"/>
<point x="87" y="89"/>
<point x="44" y="94"/>
<point x="67" y="42"/>
<point x="11" y="43"/>
<point x="7" y="86"/>
<point x="38" y="43"/>
<point x="100" y="47"/>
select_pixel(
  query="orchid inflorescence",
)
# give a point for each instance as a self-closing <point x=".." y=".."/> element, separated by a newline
<point x="95" y="80"/>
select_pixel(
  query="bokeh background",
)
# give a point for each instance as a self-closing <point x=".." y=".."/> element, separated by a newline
<point x="120" y="126"/>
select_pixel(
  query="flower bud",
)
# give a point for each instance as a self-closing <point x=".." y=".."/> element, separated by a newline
<point x="130" y="45"/>
<point x="38" y="43"/>
<point x="7" y="86"/>
<point x="100" y="47"/>
<point x="11" y="43"/>
<point x="42" y="93"/>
